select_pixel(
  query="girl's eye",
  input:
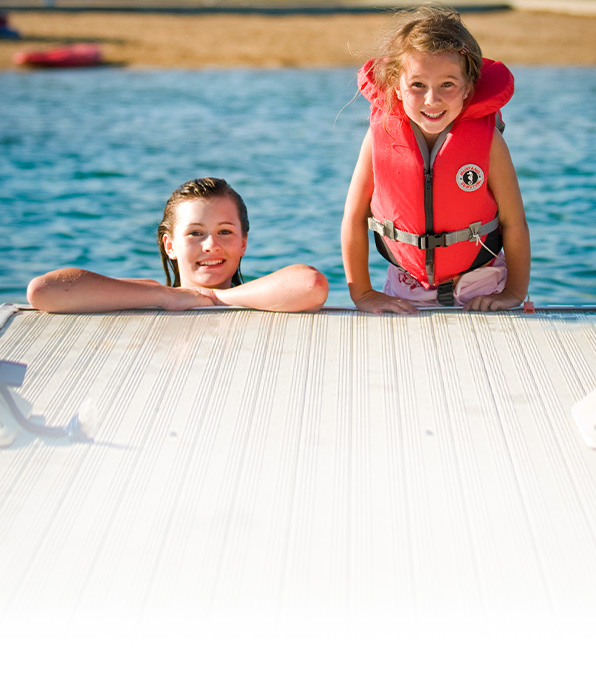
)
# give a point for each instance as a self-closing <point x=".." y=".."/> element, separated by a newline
<point x="417" y="85"/>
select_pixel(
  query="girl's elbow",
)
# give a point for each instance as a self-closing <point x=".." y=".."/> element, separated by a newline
<point x="47" y="292"/>
<point x="35" y="292"/>
<point x="321" y="290"/>
<point x="317" y="288"/>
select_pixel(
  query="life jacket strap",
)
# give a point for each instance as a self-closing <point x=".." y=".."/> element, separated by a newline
<point x="433" y="240"/>
<point x="445" y="294"/>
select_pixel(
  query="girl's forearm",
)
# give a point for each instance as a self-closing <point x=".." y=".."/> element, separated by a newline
<point x="354" y="226"/>
<point x="516" y="246"/>
<point x="75" y="290"/>
<point x="504" y="185"/>
<point x="296" y="288"/>
<point x="354" y="246"/>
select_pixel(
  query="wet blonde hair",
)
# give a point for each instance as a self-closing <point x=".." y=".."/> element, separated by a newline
<point x="428" y="29"/>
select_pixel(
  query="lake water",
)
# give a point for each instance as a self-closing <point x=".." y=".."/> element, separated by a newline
<point x="88" y="159"/>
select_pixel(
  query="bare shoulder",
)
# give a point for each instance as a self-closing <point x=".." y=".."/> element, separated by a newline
<point x="499" y="150"/>
<point x="501" y="164"/>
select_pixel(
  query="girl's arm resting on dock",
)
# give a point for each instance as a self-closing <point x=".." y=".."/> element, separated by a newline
<point x="292" y="289"/>
<point x="516" y="237"/>
<point x="75" y="290"/>
<point x="354" y="241"/>
<point x="296" y="288"/>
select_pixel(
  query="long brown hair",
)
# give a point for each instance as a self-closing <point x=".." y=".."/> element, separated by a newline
<point x="198" y="188"/>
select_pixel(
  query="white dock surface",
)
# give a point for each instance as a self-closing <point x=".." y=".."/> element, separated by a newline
<point x="313" y="493"/>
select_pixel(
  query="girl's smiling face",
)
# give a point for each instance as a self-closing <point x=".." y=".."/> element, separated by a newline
<point x="433" y="89"/>
<point x="207" y="242"/>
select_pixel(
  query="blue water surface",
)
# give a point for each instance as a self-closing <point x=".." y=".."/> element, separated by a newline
<point x="89" y="157"/>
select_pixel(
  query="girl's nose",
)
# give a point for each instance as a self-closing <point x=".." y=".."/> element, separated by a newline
<point x="432" y="95"/>
<point x="210" y="243"/>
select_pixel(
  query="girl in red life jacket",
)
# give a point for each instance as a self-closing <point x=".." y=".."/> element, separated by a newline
<point x="434" y="179"/>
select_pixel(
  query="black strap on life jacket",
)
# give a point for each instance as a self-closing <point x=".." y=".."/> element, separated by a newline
<point x="445" y="294"/>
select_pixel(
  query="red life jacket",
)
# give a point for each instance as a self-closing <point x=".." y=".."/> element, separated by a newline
<point x="444" y="191"/>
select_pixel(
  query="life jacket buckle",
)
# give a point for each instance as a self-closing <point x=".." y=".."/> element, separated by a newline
<point x="432" y="241"/>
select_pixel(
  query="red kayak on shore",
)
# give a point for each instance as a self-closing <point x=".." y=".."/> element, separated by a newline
<point x="69" y="56"/>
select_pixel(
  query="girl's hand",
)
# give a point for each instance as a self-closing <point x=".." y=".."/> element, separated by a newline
<point x="181" y="298"/>
<point x="377" y="303"/>
<point x="494" y="302"/>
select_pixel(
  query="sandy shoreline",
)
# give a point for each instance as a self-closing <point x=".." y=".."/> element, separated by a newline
<point x="230" y="40"/>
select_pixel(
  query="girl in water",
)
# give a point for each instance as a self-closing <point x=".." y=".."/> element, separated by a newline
<point x="434" y="179"/>
<point x="202" y="238"/>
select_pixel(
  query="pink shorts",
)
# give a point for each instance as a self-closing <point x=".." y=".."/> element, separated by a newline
<point x="479" y="282"/>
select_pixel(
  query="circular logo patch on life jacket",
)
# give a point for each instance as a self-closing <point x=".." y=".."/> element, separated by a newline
<point x="470" y="177"/>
